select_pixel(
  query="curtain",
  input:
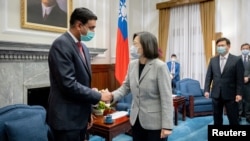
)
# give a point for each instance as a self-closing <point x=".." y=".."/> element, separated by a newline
<point x="163" y="31"/>
<point x="185" y="39"/>
<point x="208" y="26"/>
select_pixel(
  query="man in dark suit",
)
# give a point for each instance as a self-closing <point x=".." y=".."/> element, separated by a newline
<point x="244" y="104"/>
<point x="225" y="73"/>
<point x="46" y="12"/>
<point x="71" y="97"/>
<point x="174" y="68"/>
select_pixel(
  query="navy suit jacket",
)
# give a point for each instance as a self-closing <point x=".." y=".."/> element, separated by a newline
<point x="177" y="71"/>
<point x="71" y="96"/>
<point x="246" y="87"/>
<point x="229" y="83"/>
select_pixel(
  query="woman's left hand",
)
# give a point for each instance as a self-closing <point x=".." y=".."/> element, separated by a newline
<point x="165" y="133"/>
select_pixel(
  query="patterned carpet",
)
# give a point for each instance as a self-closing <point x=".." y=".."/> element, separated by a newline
<point x="193" y="129"/>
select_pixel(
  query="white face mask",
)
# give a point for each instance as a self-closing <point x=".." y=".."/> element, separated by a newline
<point x="134" y="52"/>
<point x="173" y="59"/>
<point x="245" y="52"/>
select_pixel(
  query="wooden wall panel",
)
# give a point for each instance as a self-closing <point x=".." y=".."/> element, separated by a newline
<point x="103" y="76"/>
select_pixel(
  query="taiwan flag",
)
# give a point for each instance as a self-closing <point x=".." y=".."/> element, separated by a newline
<point x="122" y="51"/>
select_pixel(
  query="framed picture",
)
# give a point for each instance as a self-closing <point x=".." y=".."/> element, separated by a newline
<point x="47" y="15"/>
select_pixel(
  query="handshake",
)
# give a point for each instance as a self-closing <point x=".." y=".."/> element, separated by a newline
<point x="106" y="96"/>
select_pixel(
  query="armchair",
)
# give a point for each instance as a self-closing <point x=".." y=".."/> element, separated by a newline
<point x="196" y="103"/>
<point x="125" y="103"/>
<point x="22" y="122"/>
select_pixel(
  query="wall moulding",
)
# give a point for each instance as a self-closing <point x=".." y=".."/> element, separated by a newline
<point x="15" y="51"/>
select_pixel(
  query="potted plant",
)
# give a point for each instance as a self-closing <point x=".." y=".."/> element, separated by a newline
<point x="99" y="108"/>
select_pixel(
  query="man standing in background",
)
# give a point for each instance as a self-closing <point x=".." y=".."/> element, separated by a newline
<point x="224" y="82"/>
<point x="244" y="104"/>
<point x="174" y="68"/>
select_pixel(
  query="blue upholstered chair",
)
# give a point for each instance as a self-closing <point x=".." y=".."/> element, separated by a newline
<point x="21" y="122"/>
<point x="196" y="103"/>
<point x="125" y="103"/>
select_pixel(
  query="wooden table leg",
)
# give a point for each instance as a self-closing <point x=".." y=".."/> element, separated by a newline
<point x="176" y="115"/>
<point x="109" y="138"/>
<point x="184" y="111"/>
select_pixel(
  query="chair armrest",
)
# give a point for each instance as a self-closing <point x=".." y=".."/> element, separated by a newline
<point x="191" y="106"/>
<point x="202" y="90"/>
<point x="186" y="95"/>
<point x="50" y="134"/>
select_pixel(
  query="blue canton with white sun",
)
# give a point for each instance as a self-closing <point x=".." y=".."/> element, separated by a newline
<point x="122" y="20"/>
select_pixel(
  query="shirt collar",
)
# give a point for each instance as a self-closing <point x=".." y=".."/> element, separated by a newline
<point x="73" y="37"/>
<point x="47" y="9"/>
<point x="225" y="56"/>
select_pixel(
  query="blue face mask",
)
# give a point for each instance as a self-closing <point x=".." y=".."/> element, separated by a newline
<point x="134" y="52"/>
<point x="221" y="50"/>
<point x="245" y="52"/>
<point x="88" y="37"/>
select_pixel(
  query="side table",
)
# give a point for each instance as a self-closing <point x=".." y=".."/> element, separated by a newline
<point x="109" y="131"/>
<point x="179" y="101"/>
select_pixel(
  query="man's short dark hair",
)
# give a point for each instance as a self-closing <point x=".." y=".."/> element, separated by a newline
<point x="223" y="39"/>
<point x="83" y="15"/>
<point x="149" y="44"/>
<point x="173" y="55"/>
<point x="245" y="44"/>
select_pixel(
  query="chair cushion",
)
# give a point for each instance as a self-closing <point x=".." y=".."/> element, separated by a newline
<point x="18" y="111"/>
<point x="126" y="99"/>
<point x="202" y="101"/>
<point x="183" y="86"/>
<point x="125" y="103"/>
<point x="123" y="106"/>
<point x="194" y="89"/>
<point x="203" y="108"/>
<point x="27" y="129"/>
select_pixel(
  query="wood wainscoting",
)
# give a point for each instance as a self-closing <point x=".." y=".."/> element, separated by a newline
<point x="103" y="76"/>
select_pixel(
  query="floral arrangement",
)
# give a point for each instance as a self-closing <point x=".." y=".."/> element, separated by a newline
<point x="101" y="105"/>
<point x="101" y="108"/>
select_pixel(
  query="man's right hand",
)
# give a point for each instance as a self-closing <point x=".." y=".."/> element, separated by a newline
<point x="246" y="79"/>
<point x="106" y="96"/>
<point x="206" y="94"/>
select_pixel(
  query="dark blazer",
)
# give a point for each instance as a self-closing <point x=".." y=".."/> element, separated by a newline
<point x="229" y="82"/>
<point x="57" y="17"/>
<point x="70" y="97"/>
<point x="246" y="74"/>
<point x="177" y="71"/>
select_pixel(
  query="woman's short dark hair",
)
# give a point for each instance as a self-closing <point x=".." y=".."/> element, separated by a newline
<point x="83" y="15"/>
<point x="149" y="44"/>
<point x="223" y="39"/>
